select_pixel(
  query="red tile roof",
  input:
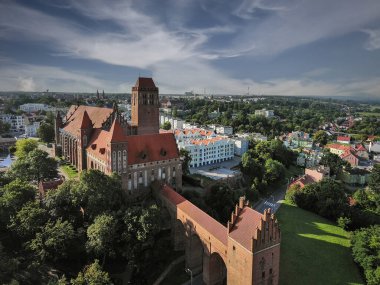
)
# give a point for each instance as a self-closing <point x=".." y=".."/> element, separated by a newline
<point x="141" y="148"/>
<point x="343" y="138"/>
<point x="145" y="82"/>
<point x="151" y="147"/>
<point x="339" y="146"/>
<point x="360" y="147"/>
<point x="99" y="140"/>
<point x="75" y="115"/>
<point x="246" y="227"/>
<point x="116" y="132"/>
<point x="86" y="121"/>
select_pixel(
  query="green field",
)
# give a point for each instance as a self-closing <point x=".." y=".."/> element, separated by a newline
<point x="314" y="250"/>
<point x="369" y="114"/>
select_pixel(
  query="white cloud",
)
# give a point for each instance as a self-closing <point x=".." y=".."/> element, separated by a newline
<point x="373" y="40"/>
<point x="26" y="84"/>
<point x="27" y="77"/>
<point x="177" y="56"/>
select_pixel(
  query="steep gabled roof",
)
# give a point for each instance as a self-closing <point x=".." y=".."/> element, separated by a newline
<point x="116" y="133"/>
<point x="74" y="117"/>
<point x="343" y="138"/>
<point x="86" y="121"/>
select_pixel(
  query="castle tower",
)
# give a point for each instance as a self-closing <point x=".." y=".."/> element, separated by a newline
<point x="145" y="106"/>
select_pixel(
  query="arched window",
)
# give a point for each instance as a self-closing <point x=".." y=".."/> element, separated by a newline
<point x="84" y="140"/>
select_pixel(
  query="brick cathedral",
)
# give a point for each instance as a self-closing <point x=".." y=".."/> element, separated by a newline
<point x="100" y="138"/>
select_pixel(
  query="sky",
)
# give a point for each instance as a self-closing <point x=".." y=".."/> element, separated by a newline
<point x="272" y="47"/>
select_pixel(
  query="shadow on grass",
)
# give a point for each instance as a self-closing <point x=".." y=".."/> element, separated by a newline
<point x="314" y="250"/>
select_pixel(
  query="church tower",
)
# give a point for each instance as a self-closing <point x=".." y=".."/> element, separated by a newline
<point x="145" y="106"/>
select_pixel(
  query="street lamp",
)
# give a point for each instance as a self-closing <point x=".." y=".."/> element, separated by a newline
<point x="191" y="275"/>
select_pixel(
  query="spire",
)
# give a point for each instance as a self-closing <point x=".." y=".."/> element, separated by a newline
<point x="103" y="95"/>
<point x="86" y="121"/>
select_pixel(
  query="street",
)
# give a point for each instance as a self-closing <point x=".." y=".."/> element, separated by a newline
<point x="273" y="201"/>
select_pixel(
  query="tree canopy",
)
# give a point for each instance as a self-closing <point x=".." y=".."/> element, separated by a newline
<point x="24" y="146"/>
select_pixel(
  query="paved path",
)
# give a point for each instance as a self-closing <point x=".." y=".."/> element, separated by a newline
<point x="273" y="201"/>
<point x="197" y="280"/>
<point x="168" y="269"/>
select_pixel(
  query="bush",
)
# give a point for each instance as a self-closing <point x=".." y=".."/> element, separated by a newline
<point x="343" y="222"/>
<point x="12" y="149"/>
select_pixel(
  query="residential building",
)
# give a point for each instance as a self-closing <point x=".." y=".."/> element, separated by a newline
<point x="351" y="157"/>
<point x="338" y="149"/>
<point x="241" y="146"/>
<point x="264" y="112"/>
<point x="31" y="129"/>
<point x="208" y="150"/>
<point x="222" y="130"/>
<point x="343" y="139"/>
<point x="309" y="159"/>
<point x="34" y="107"/>
<point x="195" y="133"/>
<point x="16" y="122"/>
<point x="312" y="175"/>
<point x="100" y="138"/>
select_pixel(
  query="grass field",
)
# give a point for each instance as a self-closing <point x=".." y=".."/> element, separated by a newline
<point x="369" y="114"/>
<point x="314" y="250"/>
<point x="69" y="170"/>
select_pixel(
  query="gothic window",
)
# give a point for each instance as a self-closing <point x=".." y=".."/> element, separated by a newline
<point x="84" y="140"/>
<point x="124" y="159"/>
<point x="119" y="160"/>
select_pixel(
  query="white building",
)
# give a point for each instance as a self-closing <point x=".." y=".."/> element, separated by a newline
<point x="192" y="134"/>
<point x="31" y="129"/>
<point x="223" y="130"/>
<point x="34" y="107"/>
<point x="208" y="151"/>
<point x="264" y="112"/>
<point x="16" y="122"/>
<point x="241" y="146"/>
<point x="175" y="123"/>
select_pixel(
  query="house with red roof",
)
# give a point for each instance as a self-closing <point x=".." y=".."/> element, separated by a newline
<point x="100" y="138"/>
<point x="343" y="139"/>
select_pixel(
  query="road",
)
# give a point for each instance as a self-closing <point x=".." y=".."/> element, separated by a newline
<point x="273" y="201"/>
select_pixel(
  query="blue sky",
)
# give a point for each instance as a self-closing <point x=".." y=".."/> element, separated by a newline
<point x="283" y="47"/>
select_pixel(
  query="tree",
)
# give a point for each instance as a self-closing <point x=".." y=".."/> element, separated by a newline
<point x="101" y="234"/>
<point x="166" y="125"/>
<point x="29" y="219"/>
<point x="274" y="171"/>
<point x="35" y="166"/>
<point x="174" y="112"/>
<point x="321" y="137"/>
<point x="8" y="266"/>
<point x="24" y="146"/>
<point x="138" y="229"/>
<point x="366" y="252"/>
<point x="221" y="201"/>
<point x="374" y="179"/>
<point x="46" y="132"/>
<point x="13" y="196"/>
<point x="98" y="193"/>
<point x="186" y="159"/>
<point x="334" y="162"/>
<point x="92" y="275"/>
<point x="251" y="166"/>
<point x="54" y="242"/>
<point x="4" y="127"/>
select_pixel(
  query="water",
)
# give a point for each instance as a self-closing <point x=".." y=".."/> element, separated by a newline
<point x="6" y="162"/>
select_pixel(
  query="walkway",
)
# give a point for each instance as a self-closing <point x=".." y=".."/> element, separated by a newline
<point x="168" y="269"/>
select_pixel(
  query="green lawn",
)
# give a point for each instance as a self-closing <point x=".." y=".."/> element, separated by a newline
<point x="314" y="250"/>
<point x="69" y="170"/>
